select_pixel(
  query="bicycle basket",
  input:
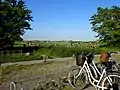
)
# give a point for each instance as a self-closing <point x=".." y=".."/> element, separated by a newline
<point x="104" y="57"/>
<point x="80" y="59"/>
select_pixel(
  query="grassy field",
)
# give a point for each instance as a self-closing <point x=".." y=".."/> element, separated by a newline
<point x="54" y="49"/>
<point x="43" y="73"/>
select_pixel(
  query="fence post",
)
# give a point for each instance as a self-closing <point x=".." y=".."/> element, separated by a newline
<point x="44" y="58"/>
<point x="73" y="56"/>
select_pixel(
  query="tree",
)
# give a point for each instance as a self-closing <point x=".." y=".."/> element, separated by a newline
<point x="15" y="18"/>
<point x="106" y="22"/>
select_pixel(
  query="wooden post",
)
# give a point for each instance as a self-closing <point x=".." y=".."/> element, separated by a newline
<point x="73" y="56"/>
<point x="44" y="58"/>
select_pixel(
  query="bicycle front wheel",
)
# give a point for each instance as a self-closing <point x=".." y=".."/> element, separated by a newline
<point x="77" y="79"/>
<point x="111" y="81"/>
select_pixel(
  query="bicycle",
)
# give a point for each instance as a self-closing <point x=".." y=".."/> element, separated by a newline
<point x="86" y="71"/>
<point x="112" y="81"/>
<point x="114" y="66"/>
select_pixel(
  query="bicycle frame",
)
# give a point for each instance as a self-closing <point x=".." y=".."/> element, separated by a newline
<point x="90" y="76"/>
<point x="96" y="70"/>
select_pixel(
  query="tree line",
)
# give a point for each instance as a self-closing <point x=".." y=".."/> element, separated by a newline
<point x="15" y="18"/>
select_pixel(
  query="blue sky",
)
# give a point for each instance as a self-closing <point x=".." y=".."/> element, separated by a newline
<point x="63" y="19"/>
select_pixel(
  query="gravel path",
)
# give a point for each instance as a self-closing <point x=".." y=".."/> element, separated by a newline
<point x="29" y="77"/>
<point x="35" y="61"/>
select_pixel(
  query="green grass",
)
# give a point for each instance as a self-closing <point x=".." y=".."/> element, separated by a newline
<point x="68" y="88"/>
<point x="21" y="57"/>
<point x="110" y="49"/>
<point x="7" y="71"/>
<point x="55" y="49"/>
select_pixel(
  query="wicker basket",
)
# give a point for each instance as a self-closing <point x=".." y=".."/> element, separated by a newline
<point x="80" y="59"/>
<point x="104" y="57"/>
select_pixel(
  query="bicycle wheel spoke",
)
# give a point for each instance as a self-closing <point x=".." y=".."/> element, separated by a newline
<point x="77" y="79"/>
<point x="112" y="82"/>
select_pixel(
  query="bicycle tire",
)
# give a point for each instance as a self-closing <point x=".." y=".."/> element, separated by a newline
<point x="73" y="81"/>
<point x="109" y="82"/>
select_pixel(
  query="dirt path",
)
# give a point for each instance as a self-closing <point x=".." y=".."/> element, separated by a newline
<point x="35" y="61"/>
<point x="29" y="76"/>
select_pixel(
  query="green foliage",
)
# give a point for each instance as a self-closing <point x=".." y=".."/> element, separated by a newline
<point x="106" y="22"/>
<point x="110" y="49"/>
<point x="19" y="57"/>
<point x="14" y="20"/>
<point x="56" y="49"/>
<point x="63" y="51"/>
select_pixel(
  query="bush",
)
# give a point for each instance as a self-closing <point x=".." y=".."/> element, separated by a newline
<point x="63" y="51"/>
<point x="51" y="50"/>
